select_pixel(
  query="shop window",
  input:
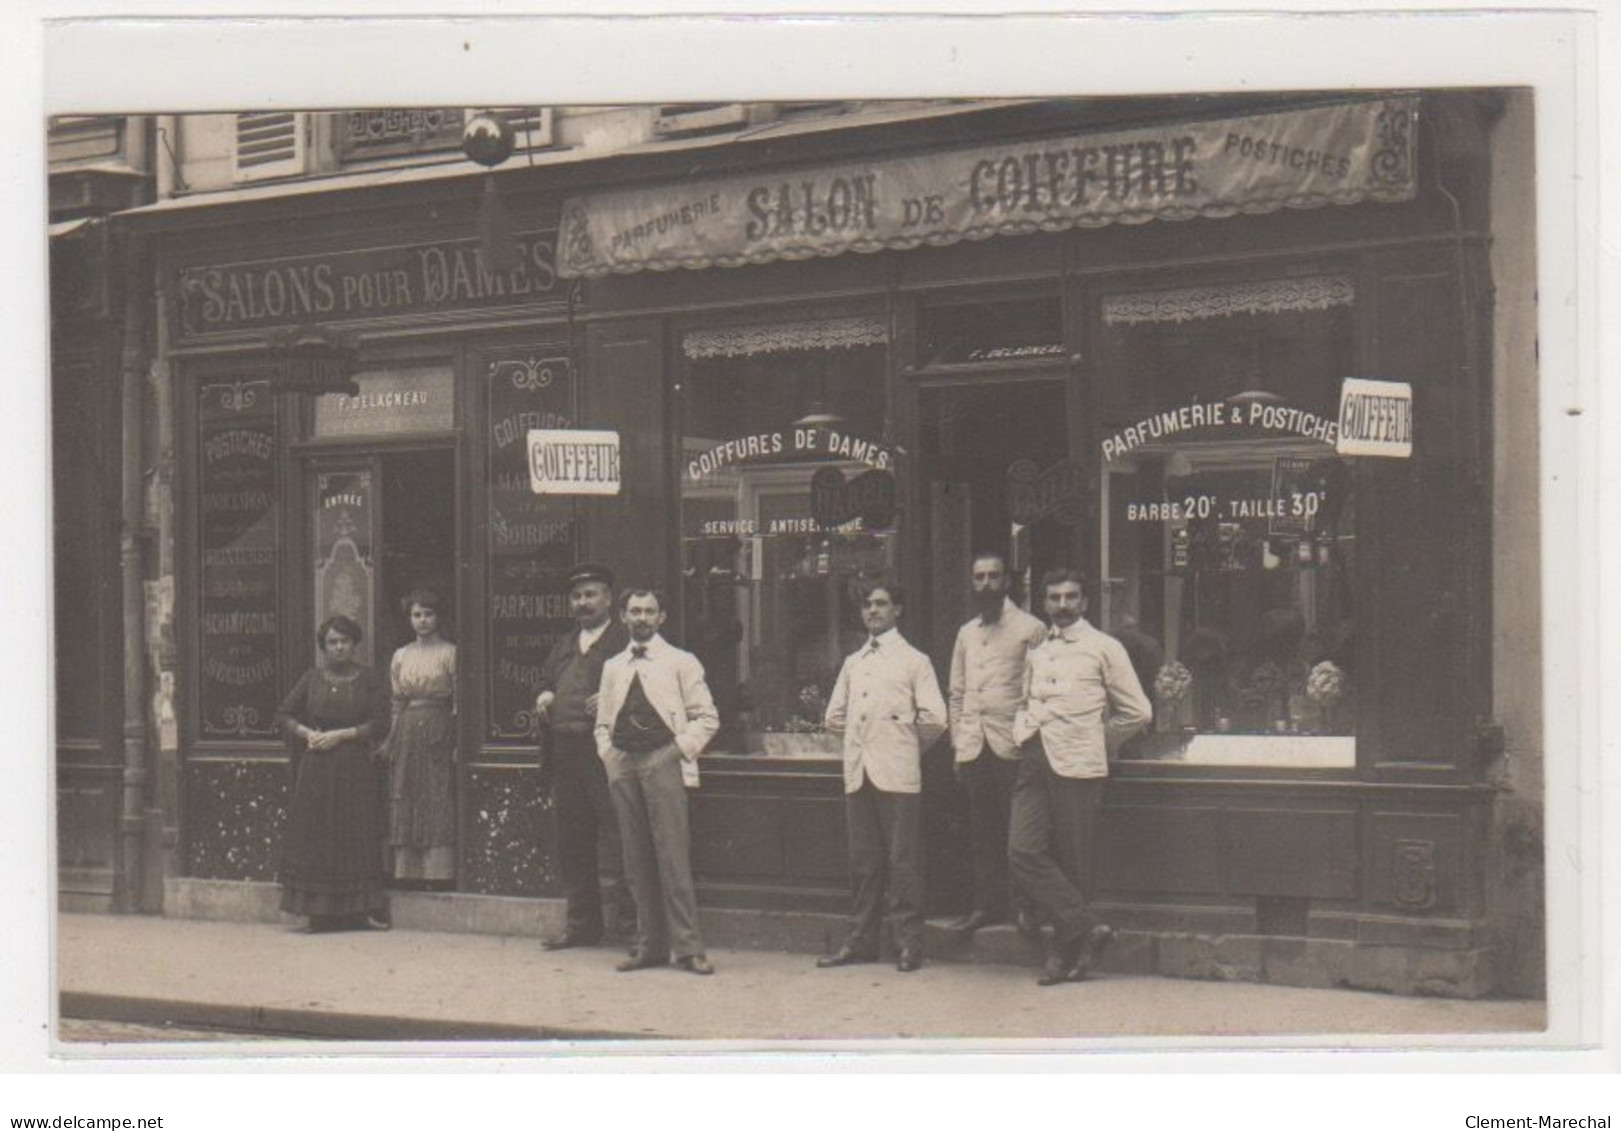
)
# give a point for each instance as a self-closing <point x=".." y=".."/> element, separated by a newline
<point x="240" y="536"/>
<point x="787" y="498"/>
<point x="1229" y="549"/>
<point x="979" y="333"/>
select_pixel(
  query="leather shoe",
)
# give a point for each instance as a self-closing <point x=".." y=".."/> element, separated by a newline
<point x="910" y="959"/>
<point x="972" y="922"/>
<point x="845" y="956"/>
<point x="1061" y="964"/>
<point x="568" y="940"/>
<point x="1025" y="923"/>
<point x="641" y="960"/>
<point x="1095" y="942"/>
<point x="695" y="964"/>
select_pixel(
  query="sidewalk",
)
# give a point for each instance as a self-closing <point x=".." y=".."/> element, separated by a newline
<point x="424" y="985"/>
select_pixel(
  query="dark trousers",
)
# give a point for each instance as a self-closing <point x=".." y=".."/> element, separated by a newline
<point x="651" y="802"/>
<point x="1051" y="838"/>
<point x="989" y="781"/>
<point x="886" y="858"/>
<point x="586" y="836"/>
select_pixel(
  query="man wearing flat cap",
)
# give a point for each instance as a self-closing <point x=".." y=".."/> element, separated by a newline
<point x="566" y="707"/>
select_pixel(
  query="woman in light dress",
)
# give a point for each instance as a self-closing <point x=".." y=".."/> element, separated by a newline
<point x="422" y="752"/>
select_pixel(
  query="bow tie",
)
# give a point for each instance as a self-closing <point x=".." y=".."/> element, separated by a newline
<point x="638" y="651"/>
<point x="873" y="646"/>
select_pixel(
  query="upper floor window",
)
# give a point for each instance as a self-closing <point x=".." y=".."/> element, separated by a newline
<point x="366" y="135"/>
<point x="687" y="118"/>
<point x="282" y="144"/>
<point x="270" y="145"/>
<point x="82" y="139"/>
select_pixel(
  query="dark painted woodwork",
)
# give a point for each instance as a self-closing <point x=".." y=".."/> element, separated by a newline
<point x="1415" y="561"/>
<point x="88" y="796"/>
<point x="507" y="833"/>
<point x="623" y="390"/>
<point x="1155" y="849"/>
<point x="1291" y="852"/>
<point x="1416" y="861"/>
<point x="235" y="811"/>
<point x="769" y="832"/>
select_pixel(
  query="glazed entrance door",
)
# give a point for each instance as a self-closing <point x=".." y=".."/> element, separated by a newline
<point x="380" y="527"/>
<point x="995" y="478"/>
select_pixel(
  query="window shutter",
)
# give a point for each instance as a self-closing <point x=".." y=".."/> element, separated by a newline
<point x="699" y="117"/>
<point x="270" y="145"/>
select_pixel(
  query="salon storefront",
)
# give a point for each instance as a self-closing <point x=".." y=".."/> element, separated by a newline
<point x="1116" y="336"/>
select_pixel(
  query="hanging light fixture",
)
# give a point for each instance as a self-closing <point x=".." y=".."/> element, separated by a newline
<point x="488" y="140"/>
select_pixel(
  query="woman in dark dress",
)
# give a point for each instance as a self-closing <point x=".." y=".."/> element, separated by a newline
<point x="332" y="860"/>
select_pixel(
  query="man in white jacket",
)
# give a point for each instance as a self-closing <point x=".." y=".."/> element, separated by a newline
<point x="986" y="691"/>
<point x="654" y="712"/>
<point x="888" y="706"/>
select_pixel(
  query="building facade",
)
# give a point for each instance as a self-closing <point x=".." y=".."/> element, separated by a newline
<point x="752" y="353"/>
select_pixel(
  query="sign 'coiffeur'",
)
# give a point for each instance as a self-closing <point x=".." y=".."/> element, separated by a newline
<point x="1376" y="418"/>
<point x="573" y="461"/>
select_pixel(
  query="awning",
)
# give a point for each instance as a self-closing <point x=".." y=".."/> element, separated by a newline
<point x="68" y="227"/>
<point x="1344" y="152"/>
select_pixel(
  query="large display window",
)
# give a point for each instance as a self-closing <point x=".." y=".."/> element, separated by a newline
<point x="1228" y="547"/>
<point x="787" y="498"/>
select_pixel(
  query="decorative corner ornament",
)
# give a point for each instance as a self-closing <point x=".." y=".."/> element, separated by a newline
<point x="1413" y="882"/>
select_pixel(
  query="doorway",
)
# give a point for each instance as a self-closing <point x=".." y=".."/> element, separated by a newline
<point x="996" y="478"/>
<point x="383" y="525"/>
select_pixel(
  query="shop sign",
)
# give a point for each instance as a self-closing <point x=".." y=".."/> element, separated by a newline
<point x="1376" y="418"/>
<point x="1340" y="153"/>
<point x="1232" y="417"/>
<point x="1059" y="492"/>
<point x="314" y="360"/>
<point x="869" y="499"/>
<point x="573" y="461"/>
<point x="428" y="278"/>
<point x="390" y="402"/>
<point x="789" y="445"/>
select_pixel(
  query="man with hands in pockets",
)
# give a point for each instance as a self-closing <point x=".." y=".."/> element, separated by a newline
<point x="888" y="706"/>
<point x="655" y="713"/>
<point x="1081" y="700"/>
